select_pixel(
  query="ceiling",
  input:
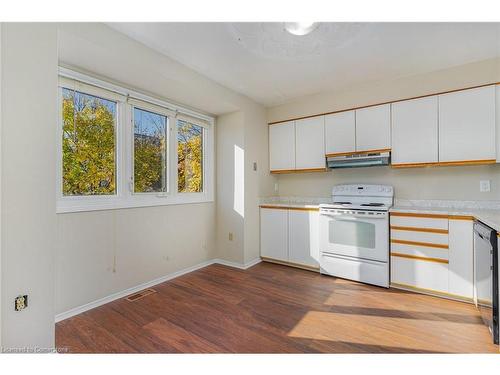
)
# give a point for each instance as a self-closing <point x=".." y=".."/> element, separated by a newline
<point x="271" y="66"/>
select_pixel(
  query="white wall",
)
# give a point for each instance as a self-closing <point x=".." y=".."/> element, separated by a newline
<point x="240" y="138"/>
<point x="481" y="72"/>
<point x="416" y="183"/>
<point x="257" y="183"/>
<point x="230" y="181"/>
<point x="456" y="183"/>
<point x="28" y="219"/>
<point x="104" y="252"/>
<point x="1" y="87"/>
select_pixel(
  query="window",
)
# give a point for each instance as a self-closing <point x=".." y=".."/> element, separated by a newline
<point x="88" y="144"/>
<point x="189" y="157"/>
<point x="150" y="156"/>
<point x="119" y="148"/>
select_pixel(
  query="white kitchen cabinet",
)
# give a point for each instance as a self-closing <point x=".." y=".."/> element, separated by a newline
<point x="461" y="258"/>
<point x="433" y="253"/>
<point x="467" y="125"/>
<point x="340" y="133"/>
<point x="419" y="251"/>
<point x="415" y="131"/>
<point x="427" y="275"/>
<point x="303" y="237"/>
<point x="290" y="235"/>
<point x="310" y="143"/>
<point x="373" y="128"/>
<point x="274" y="233"/>
<point x="497" y="127"/>
<point x="282" y="146"/>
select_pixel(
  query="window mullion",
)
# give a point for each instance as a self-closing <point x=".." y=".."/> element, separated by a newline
<point x="173" y="156"/>
<point x="128" y="154"/>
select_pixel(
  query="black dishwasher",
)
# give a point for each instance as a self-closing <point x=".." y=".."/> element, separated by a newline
<point x="486" y="276"/>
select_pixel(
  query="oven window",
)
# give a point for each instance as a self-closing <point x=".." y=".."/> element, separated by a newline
<point x="352" y="233"/>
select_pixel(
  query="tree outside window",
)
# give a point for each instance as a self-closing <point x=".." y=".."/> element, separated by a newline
<point x="88" y="144"/>
<point x="150" y="152"/>
<point x="190" y="157"/>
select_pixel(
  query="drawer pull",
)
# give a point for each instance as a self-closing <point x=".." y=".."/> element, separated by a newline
<point x="415" y="229"/>
<point x="437" y="260"/>
<point x="416" y="243"/>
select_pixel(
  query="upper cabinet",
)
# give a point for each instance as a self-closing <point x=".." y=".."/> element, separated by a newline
<point x="365" y="129"/>
<point x="340" y="133"/>
<point x="415" y="131"/>
<point x="310" y="143"/>
<point x="455" y="128"/>
<point x="467" y="125"/>
<point x="282" y="146"/>
<point x="373" y="128"/>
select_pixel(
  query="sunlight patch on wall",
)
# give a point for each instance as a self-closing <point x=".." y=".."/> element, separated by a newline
<point x="239" y="180"/>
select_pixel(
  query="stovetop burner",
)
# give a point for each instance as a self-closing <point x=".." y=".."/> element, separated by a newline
<point x="373" y="204"/>
<point x="342" y="202"/>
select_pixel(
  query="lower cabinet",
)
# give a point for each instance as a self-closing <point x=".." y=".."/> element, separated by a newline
<point x="290" y="235"/>
<point x="461" y="255"/>
<point x="303" y="237"/>
<point x="274" y="233"/>
<point x="433" y="253"/>
<point x="427" y="275"/>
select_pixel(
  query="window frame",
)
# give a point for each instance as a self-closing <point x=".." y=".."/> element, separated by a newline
<point x="157" y="111"/>
<point x="203" y="140"/>
<point x="125" y="196"/>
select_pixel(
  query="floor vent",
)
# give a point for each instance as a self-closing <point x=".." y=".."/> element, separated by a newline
<point x="139" y="295"/>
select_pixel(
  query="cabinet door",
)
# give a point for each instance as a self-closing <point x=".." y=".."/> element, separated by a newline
<point x="340" y="133"/>
<point x="303" y="237"/>
<point x="497" y="127"/>
<point x="461" y="245"/>
<point x="282" y="146"/>
<point x="274" y="233"/>
<point x="310" y="143"/>
<point x="467" y="125"/>
<point x="373" y="128"/>
<point x="415" y="131"/>
<point x="423" y="274"/>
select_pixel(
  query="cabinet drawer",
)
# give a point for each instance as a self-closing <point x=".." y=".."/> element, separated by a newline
<point x="420" y="236"/>
<point x="415" y="221"/>
<point x="432" y="276"/>
<point x="420" y="251"/>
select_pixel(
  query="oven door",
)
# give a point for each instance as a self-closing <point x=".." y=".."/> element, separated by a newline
<point x="359" y="234"/>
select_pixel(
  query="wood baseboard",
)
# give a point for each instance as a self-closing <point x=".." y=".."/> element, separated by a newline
<point x="291" y="264"/>
<point x="431" y="292"/>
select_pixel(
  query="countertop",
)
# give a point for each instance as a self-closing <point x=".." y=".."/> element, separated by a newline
<point x="487" y="212"/>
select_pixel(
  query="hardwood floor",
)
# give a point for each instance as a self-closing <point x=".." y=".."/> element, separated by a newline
<point x="271" y="308"/>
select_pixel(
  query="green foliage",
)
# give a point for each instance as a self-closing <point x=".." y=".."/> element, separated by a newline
<point x="190" y="157"/>
<point x="88" y="145"/>
<point x="89" y="150"/>
<point x="149" y="152"/>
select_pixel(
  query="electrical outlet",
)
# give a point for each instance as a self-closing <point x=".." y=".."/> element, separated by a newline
<point x="20" y="303"/>
<point x="254" y="166"/>
<point x="276" y="187"/>
<point x="230" y="236"/>
<point x="484" y="186"/>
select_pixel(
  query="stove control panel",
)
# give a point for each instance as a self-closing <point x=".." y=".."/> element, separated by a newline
<point x="363" y="190"/>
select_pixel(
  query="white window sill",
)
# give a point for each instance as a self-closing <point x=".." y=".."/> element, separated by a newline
<point x="87" y="204"/>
